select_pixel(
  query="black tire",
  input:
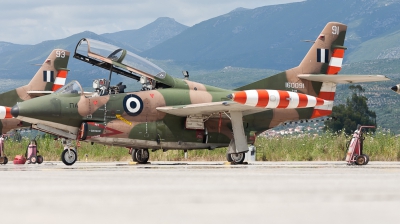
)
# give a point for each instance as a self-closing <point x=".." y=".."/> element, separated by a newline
<point x="69" y="159"/>
<point x="39" y="159"/>
<point x="360" y="160"/>
<point x="142" y="155"/>
<point x="5" y="161"/>
<point x="134" y="155"/>
<point x="236" y="158"/>
<point x="366" y="159"/>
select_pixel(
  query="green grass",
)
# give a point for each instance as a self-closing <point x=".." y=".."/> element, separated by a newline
<point x="381" y="146"/>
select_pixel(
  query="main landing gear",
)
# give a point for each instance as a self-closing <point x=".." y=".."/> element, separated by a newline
<point x="238" y="145"/>
<point x="140" y="155"/>
<point x="69" y="155"/>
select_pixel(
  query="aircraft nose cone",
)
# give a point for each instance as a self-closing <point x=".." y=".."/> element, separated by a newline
<point x="395" y="88"/>
<point x="15" y="111"/>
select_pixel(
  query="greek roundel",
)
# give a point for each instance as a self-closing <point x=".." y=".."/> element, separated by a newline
<point x="133" y="105"/>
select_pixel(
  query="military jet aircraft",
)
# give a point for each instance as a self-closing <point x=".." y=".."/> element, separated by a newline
<point x="172" y="113"/>
<point x="50" y="77"/>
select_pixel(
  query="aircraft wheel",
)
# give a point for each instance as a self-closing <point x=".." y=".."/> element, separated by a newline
<point x="39" y="159"/>
<point x="134" y="155"/>
<point x="69" y="158"/>
<point x="366" y="159"/>
<point x="360" y="160"/>
<point x="236" y="158"/>
<point x="142" y="155"/>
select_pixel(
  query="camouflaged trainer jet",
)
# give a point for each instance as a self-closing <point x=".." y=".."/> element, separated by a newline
<point x="50" y="77"/>
<point x="172" y="113"/>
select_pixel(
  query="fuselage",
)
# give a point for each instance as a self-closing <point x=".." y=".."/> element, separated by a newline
<point x="132" y="119"/>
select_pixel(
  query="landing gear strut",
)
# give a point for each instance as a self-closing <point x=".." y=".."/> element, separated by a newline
<point x="140" y="155"/>
<point x="238" y="145"/>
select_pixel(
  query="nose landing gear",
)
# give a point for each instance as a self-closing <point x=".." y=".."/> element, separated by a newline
<point x="69" y="156"/>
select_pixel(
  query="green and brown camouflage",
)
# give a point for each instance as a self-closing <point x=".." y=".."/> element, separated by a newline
<point x="50" y="76"/>
<point x="172" y="113"/>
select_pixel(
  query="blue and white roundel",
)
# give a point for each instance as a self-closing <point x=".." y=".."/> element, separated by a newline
<point x="133" y="105"/>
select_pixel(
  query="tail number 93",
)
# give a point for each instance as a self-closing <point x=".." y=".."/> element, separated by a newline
<point x="60" y="54"/>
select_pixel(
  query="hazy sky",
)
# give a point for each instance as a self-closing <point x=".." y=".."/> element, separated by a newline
<point x="31" y="22"/>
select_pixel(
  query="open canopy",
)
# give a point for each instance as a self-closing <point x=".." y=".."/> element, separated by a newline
<point x="122" y="62"/>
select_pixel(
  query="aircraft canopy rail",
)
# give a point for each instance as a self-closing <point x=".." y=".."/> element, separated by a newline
<point x="116" y="59"/>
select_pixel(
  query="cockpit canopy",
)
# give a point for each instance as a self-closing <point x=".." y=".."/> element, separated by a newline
<point x="71" y="88"/>
<point x="127" y="63"/>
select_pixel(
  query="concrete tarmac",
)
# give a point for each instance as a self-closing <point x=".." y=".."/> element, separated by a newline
<point x="200" y="192"/>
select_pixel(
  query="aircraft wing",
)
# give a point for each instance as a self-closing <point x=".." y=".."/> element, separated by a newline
<point x="343" y="78"/>
<point x="210" y="108"/>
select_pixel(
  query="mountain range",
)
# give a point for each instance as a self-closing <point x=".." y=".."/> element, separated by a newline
<point x="150" y="35"/>
<point x="270" y="36"/>
<point x="265" y="37"/>
<point x="241" y="45"/>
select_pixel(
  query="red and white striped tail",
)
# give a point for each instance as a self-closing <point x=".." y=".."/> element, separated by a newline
<point x="335" y="64"/>
<point x="60" y="79"/>
<point x="328" y="89"/>
<point x="5" y="112"/>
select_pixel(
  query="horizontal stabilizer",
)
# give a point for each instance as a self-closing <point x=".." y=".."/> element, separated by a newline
<point x="343" y="78"/>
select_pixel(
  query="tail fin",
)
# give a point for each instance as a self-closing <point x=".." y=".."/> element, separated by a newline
<point x="324" y="58"/>
<point x="326" y="54"/>
<point x="330" y="40"/>
<point x="50" y="76"/>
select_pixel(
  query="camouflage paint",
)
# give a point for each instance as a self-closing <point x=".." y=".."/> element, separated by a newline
<point x="151" y="128"/>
